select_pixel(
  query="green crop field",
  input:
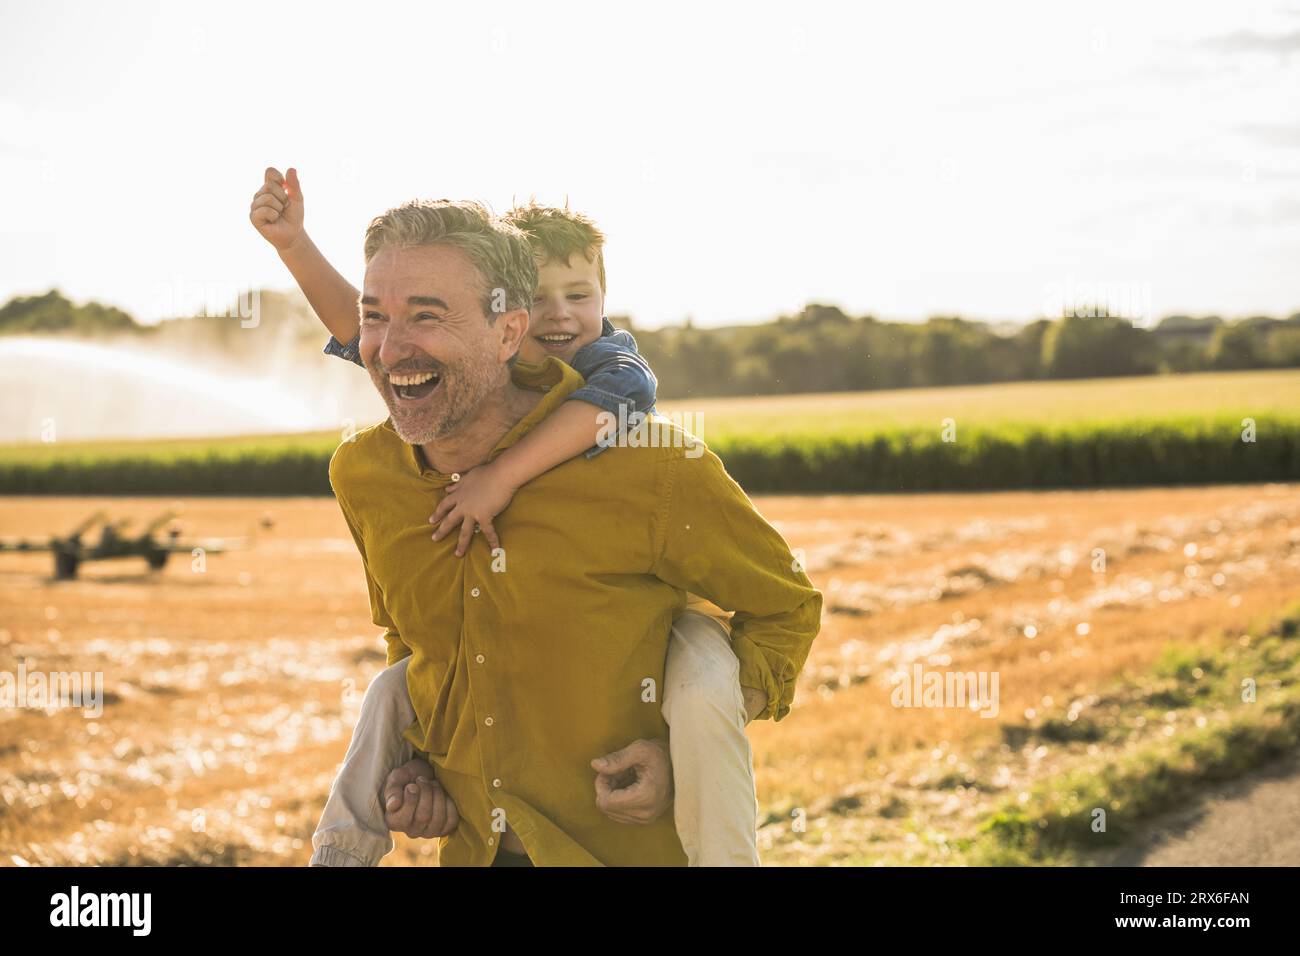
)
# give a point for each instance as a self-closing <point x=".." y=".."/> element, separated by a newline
<point x="1153" y="430"/>
<point x="1014" y="406"/>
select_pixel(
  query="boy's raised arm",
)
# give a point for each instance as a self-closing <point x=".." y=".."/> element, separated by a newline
<point x="277" y="213"/>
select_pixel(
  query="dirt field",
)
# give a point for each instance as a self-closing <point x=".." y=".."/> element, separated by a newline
<point x="230" y="693"/>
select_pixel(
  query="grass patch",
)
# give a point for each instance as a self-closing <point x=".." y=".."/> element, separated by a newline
<point x="1219" y="736"/>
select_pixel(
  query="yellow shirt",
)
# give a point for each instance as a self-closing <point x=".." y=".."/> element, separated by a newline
<point x="528" y="664"/>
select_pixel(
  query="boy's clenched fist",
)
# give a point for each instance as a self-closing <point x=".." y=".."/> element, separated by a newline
<point x="277" y="209"/>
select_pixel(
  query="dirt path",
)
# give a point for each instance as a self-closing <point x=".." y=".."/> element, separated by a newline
<point x="1253" y="821"/>
<point x="231" y="686"/>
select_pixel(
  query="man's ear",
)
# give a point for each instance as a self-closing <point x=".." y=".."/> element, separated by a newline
<point x="514" y="326"/>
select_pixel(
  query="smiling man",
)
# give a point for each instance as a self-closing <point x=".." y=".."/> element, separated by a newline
<point x="529" y="661"/>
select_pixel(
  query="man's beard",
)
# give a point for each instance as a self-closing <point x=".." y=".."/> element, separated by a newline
<point x="460" y="394"/>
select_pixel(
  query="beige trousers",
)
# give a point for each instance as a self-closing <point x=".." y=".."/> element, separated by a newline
<point x="714" y="807"/>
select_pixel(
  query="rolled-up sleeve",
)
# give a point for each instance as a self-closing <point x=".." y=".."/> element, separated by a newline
<point x="713" y="542"/>
<point x="350" y="352"/>
<point x="617" y="378"/>
<point x="615" y="373"/>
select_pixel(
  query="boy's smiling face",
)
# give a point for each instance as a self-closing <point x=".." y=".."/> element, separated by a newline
<point x="566" y="312"/>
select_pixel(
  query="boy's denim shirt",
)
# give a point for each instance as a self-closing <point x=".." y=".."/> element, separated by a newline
<point x="614" y="370"/>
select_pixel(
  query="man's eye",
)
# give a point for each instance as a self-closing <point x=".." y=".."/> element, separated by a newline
<point x="372" y="317"/>
<point x="577" y="296"/>
<point x="537" y="300"/>
<point x="427" y="315"/>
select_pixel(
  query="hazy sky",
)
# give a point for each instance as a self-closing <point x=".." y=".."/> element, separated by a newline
<point x="982" y="159"/>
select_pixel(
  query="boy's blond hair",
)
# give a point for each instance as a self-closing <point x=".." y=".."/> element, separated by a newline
<point x="557" y="234"/>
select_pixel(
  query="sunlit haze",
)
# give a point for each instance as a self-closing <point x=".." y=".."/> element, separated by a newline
<point x="904" y="161"/>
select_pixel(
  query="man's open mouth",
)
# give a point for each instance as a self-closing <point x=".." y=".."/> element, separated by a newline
<point x="413" y="386"/>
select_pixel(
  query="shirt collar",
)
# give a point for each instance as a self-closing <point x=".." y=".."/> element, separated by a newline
<point x="551" y="376"/>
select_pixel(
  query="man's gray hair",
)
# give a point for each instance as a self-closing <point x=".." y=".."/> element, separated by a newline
<point x="498" y="249"/>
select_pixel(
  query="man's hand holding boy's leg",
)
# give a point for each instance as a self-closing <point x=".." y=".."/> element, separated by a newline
<point x="635" y="784"/>
<point x="416" y="804"/>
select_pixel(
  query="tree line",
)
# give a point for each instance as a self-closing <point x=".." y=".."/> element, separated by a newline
<point x="821" y="349"/>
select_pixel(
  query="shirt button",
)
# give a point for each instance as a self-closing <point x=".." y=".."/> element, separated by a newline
<point x="455" y="476"/>
<point x="496" y="783"/>
<point x="480" y="658"/>
<point x="488" y="721"/>
<point x="491" y="842"/>
<point x="474" y="592"/>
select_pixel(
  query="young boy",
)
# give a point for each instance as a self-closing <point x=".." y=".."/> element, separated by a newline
<point x="714" y="807"/>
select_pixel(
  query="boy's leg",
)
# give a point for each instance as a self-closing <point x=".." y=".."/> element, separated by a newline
<point x="352" y="831"/>
<point x="714" y="807"/>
